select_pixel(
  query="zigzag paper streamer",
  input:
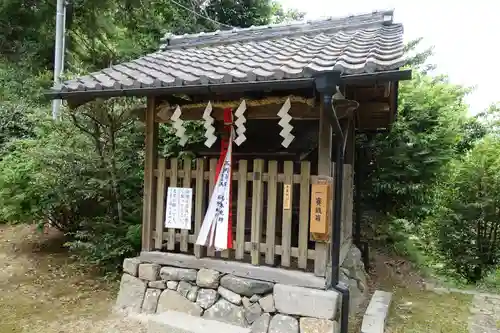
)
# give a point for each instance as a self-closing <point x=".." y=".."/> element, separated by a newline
<point x="240" y="121"/>
<point x="285" y="124"/>
<point x="178" y="124"/>
<point x="338" y="94"/>
<point x="209" y="126"/>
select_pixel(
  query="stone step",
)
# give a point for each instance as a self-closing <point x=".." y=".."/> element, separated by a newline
<point x="178" y="322"/>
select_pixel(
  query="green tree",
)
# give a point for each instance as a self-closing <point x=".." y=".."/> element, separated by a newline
<point x="20" y="93"/>
<point x="245" y="13"/>
<point x="490" y="118"/>
<point x="472" y="130"/>
<point x="467" y="228"/>
<point x="83" y="176"/>
<point x="102" y="32"/>
<point x="410" y="158"/>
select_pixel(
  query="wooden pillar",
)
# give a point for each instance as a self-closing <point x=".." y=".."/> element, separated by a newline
<point x="351" y="144"/>
<point x="347" y="191"/>
<point x="150" y="162"/>
<point x="322" y="250"/>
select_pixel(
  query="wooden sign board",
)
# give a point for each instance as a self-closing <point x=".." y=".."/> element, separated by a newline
<point x="320" y="203"/>
<point x="287" y="193"/>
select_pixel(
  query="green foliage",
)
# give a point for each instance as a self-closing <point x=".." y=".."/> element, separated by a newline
<point x="280" y="15"/>
<point x="490" y="118"/>
<point x="472" y="130"/>
<point x="468" y="224"/>
<point x="102" y="32"/>
<point x="418" y="60"/>
<point x="410" y="158"/>
<point x="14" y="123"/>
<point x="238" y="13"/>
<point x="20" y="81"/>
<point x="44" y="178"/>
<point x="169" y="143"/>
<point x="423" y="175"/>
<point x="20" y="93"/>
<point x="84" y="174"/>
<point x="492" y="281"/>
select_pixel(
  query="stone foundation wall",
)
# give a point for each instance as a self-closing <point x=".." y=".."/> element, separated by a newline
<point x="352" y="273"/>
<point x="264" y="306"/>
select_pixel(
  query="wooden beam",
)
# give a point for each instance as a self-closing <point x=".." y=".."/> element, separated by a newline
<point x="345" y="108"/>
<point x="372" y="124"/>
<point x="264" y="273"/>
<point x="150" y="162"/>
<point x="236" y="176"/>
<point x="299" y="110"/>
<point x="394" y="102"/>
<point x="247" y="247"/>
<point x="373" y="107"/>
<point x="373" y="115"/>
<point x="269" y="111"/>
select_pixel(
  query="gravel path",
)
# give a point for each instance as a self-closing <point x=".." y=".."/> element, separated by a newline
<point x="485" y="316"/>
<point x="485" y="309"/>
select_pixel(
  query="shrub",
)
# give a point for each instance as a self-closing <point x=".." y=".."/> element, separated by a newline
<point x="492" y="281"/>
<point x="405" y="163"/>
<point x="467" y="228"/>
<point x="83" y="175"/>
<point x="44" y="178"/>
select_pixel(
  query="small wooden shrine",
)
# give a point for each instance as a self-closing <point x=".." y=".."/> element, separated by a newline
<point x="297" y="94"/>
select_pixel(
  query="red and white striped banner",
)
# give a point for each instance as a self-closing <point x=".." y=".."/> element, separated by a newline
<point x="216" y="230"/>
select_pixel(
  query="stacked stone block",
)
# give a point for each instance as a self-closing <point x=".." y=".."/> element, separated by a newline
<point x="263" y="306"/>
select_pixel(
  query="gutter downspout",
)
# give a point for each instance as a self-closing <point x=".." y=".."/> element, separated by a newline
<point x="327" y="85"/>
<point x="337" y="225"/>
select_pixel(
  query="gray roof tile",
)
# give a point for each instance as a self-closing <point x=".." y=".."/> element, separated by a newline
<point x="351" y="45"/>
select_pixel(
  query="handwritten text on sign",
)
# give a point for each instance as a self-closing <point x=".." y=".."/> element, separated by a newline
<point x="319" y="209"/>
<point x="287" y="190"/>
<point x="179" y="208"/>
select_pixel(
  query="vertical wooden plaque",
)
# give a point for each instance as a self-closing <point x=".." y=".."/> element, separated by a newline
<point x="287" y="188"/>
<point x="319" y="209"/>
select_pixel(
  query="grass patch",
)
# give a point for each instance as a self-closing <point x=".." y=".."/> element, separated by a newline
<point x="418" y="311"/>
<point x="414" y="309"/>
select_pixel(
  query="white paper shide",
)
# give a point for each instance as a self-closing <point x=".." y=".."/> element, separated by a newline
<point x="214" y="230"/>
<point x="179" y="208"/>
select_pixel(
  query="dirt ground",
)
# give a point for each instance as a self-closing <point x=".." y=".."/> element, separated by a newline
<point x="42" y="290"/>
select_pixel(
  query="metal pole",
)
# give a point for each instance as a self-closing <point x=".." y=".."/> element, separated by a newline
<point x="63" y="48"/>
<point x="58" y="56"/>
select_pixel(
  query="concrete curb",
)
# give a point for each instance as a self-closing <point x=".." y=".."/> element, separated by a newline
<point x="444" y="290"/>
<point x="376" y="313"/>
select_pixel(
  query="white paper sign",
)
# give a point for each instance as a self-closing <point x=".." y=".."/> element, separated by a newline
<point x="179" y="208"/>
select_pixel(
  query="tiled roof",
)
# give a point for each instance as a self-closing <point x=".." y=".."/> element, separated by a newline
<point x="356" y="44"/>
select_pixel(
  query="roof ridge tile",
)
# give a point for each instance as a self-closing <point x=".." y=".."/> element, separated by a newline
<point x="270" y="31"/>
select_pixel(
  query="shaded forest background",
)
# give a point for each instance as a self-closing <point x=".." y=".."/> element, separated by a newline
<point x="432" y="184"/>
